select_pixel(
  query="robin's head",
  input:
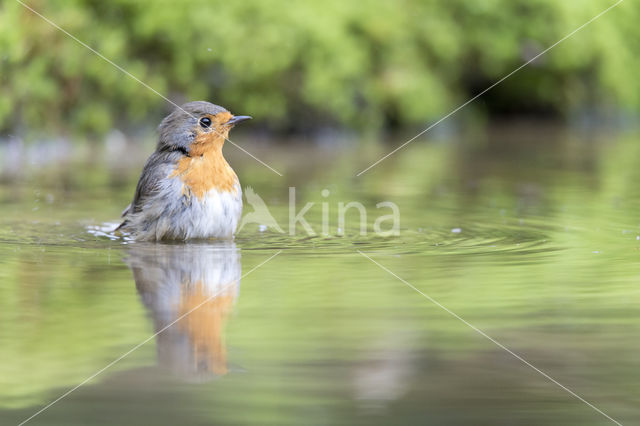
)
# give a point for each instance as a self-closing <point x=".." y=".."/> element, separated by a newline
<point x="196" y="127"/>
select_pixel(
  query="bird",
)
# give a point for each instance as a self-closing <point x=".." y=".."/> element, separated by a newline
<point x="187" y="190"/>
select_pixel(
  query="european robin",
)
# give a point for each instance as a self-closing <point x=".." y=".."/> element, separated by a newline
<point x="187" y="189"/>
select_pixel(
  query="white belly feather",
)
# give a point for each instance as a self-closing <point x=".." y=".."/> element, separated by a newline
<point x="176" y="214"/>
<point x="215" y="215"/>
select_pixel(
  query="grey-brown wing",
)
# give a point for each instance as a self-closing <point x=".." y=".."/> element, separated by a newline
<point x="156" y="168"/>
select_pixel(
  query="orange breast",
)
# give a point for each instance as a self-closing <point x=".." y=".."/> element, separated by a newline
<point x="205" y="168"/>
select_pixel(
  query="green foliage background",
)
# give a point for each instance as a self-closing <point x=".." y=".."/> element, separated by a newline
<point x="364" y="64"/>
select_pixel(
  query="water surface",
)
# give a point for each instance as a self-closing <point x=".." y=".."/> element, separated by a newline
<point x="532" y="237"/>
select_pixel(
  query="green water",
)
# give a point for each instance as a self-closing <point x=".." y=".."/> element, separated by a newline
<point x="532" y="237"/>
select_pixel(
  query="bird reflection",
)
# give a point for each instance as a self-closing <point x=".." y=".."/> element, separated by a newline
<point x="195" y="284"/>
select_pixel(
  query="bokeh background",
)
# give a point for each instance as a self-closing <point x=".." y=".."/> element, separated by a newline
<point x="303" y="66"/>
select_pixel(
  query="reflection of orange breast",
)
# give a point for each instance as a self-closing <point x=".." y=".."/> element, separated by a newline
<point x="205" y="168"/>
<point x="205" y="324"/>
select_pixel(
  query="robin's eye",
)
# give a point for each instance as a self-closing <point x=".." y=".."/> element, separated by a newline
<point x="205" y="122"/>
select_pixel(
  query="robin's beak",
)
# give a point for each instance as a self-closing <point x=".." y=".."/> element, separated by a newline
<point x="237" y="119"/>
